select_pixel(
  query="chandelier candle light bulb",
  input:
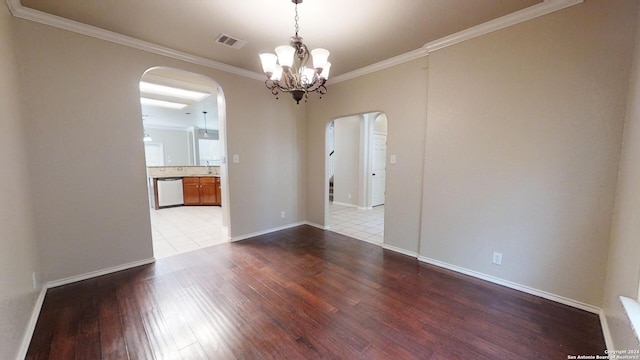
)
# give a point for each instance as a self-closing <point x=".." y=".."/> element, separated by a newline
<point x="289" y="69"/>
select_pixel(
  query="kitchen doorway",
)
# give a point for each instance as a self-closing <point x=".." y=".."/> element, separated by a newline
<point x="356" y="152"/>
<point x="183" y="117"/>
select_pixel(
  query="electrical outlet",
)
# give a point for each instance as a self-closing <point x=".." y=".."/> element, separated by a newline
<point x="34" y="279"/>
<point x="282" y="214"/>
<point x="349" y="196"/>
<point x="497" y="258"/>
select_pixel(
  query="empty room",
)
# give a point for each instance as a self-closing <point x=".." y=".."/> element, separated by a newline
<point x="289" y="179"/>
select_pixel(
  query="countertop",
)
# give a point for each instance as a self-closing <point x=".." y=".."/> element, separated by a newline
<point x="157" y="172"/>
<point x="181" y="176"/>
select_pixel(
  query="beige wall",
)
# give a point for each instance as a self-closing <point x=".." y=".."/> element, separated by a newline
<point x="522" y="148"/>
<point x="623" y="270"/>
<point x="403" y="101"/>
<point x="347" y="159"/>
<point x="86" y="151"/>
<point x="176" y="144"/>
<point x="19" y="253"/>
<point x="520" y="156"/>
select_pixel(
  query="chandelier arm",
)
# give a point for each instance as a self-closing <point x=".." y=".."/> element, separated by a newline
<point x="287" y="78"/>
<point x="316" y="84"/>
<point x="275" y="86"/>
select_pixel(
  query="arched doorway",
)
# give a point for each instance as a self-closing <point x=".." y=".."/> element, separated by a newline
<point x="183" y="116"/>
<point x="356" y="151"/>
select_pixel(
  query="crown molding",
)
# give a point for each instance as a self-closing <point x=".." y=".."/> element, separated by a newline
<point x="396" y="60"/>
<point x="26" y="13"/>
<point x="532" y="12"/>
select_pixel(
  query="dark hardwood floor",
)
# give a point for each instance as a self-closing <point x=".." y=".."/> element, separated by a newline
<point x="303" y="293"/>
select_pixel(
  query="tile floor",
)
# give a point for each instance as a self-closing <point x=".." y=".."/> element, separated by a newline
<point x="367" y="225"/>
<point x="185" y="228"/>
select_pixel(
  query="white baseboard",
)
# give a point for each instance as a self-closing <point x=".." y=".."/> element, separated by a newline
<point x="367" y="240"/>
<point x="344" y="204"/>
<point x="31" y="326"/>
<point x="526" y="289"/>
<point x="355" y="237"/>
<point x="400" y="250"/>
<point x="326" y="227"/>
<point x="89" y="275"/>
<point x="560" y="299"/>
<point x="365" y="208"/>
<point x="608" y="340"/>
<point x="263" y="232"/>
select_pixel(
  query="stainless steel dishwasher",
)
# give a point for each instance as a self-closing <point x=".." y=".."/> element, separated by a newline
<point x="170" y="192"/>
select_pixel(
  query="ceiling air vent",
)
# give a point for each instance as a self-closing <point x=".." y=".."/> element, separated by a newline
<point x="230" y="41"/>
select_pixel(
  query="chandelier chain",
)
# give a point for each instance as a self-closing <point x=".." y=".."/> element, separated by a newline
<point x="296" y="20"/>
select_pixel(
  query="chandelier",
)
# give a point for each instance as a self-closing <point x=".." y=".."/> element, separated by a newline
<point x="290" y="70"/>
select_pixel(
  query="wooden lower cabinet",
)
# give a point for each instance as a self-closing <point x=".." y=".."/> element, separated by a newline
<point x="191" y="190"/>
<point x="208" y="191"/>
<point x="218" y="193"/>
<point x="201" y="190"/>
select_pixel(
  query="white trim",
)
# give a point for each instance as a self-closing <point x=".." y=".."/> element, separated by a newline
<point x="532" y="12"/>
<point x="608" y="340"/>
<point x="344" y="204"/>
<point x="89" y="275"/>
<point x="526" y="289"/>
<point x="384" y="64"/>
<point x="365" y="240"/>
<point x="365" y="207"/>
<point x="400" y="250"/>
<point x="573" y="303"/>
<point x="26" y="13"/>
<point x="263" y="232"/>
<point x="353" y="236"/>
<point x="169" y="127"/>
<point x="31" y="326"/>
<point x="632" y="308"/>
<point x="326" y="227"/>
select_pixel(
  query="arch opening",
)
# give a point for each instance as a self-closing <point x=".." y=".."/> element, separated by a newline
<point x="356" y="175"/>
<point x="184" y="118"/>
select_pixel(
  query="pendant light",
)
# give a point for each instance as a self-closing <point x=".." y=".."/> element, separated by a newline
<point x="147" y="137"/>
<point x="206" y="134"/>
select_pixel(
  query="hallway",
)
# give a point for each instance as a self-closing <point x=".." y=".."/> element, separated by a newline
<point x="367" y="225"/>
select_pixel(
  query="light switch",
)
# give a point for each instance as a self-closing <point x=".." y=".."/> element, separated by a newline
<point x="392" y="159"/>
<point x="236" y="158"/>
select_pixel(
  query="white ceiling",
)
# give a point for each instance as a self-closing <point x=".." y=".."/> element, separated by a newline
<point x="357" y="32"/>
<point x="190" y="116"/>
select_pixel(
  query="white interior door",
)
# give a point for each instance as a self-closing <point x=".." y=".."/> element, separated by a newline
<point x="378" y="168"/>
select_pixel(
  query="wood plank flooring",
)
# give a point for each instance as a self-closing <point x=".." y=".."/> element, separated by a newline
<point x="303" y="293"/>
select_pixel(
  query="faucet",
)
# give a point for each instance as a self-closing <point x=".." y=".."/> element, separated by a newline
<point x="208" y="167"/>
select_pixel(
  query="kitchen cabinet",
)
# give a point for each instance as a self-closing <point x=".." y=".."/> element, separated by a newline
<point x="201" y="190"/>
<point x="218" y="201"/>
